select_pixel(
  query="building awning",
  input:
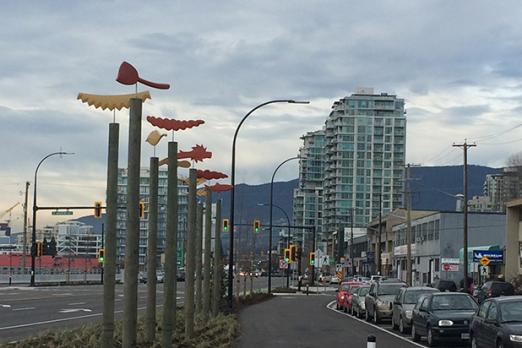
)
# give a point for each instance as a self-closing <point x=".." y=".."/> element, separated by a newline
<point x="471" y="249"/>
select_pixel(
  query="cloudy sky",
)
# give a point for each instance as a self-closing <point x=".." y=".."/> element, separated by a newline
<point x="456" y="63"/>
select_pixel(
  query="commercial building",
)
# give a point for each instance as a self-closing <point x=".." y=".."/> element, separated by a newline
<point x="365" y="140"/>
<point x="499" y="189"/>
<point x="437" y="238"/>
<point x="513" y="239"/>
<point x="162" y="215"/>
<point x="77" y="238"/>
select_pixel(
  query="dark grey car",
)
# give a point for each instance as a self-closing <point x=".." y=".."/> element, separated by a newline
<point x="358" y="297"/>
<point x="379" y="300"/>
<point x="403" y="306"/>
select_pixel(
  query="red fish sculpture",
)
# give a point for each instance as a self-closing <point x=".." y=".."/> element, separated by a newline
<point x="219" y="187"/>
<point x="198" y="153"/>
<point x="128" y="75"/>
<point x="172" y="124"/>
<point x="209" y="175"/>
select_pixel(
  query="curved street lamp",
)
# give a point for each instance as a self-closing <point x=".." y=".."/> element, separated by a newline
<point x="35" y="208"/>
<point x="232" y="194"/>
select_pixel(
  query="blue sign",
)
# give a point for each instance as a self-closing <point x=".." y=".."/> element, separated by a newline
<point x="370" y="256"/>
<point x="492" y="255"/>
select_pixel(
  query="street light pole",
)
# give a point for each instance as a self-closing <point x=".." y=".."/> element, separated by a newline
<point x="271" y="222"/>
<point x="232" y="196"/>
<point x="35" y="208"/>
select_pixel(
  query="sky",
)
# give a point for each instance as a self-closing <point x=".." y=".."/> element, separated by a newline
<point x="456" y="64"/>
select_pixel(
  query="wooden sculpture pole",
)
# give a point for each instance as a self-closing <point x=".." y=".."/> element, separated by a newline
<point x="199" y="259"/>
<point x="150" y="315"/>
<point x="169" y="308"/>
<point x="218" y="264"/>
<point x="206" y="262"/>
<point x="130" y="287"/>
<point x="190" y="255"/>
<point x="109" y="264"/>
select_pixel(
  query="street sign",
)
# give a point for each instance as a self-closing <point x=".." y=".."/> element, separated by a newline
<point x="338" y="267"/>
<point x="484" y="270"/>
<point x="450" y="260"/>
<point x="450" y="267"/>
<point x="493" y="255"/>
<point x="370" y="256"/>
<point x="283" y="264"/>
<point x="59" y="212"/>
<point x="484" y="261"/>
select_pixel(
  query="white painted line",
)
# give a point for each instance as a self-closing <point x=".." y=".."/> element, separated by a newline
<point x="62" y="319"/>
<point x="5" y="306"/>
<point x="73" y="310"/>
<point x="330" y="307"/>
<point x="75" y="304"/>
<point x="23" y="309"/>
<point x="64" y="294"/>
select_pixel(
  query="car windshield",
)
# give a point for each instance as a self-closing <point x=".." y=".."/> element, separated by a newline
<point x="453" y="303"/>
<point x="389" y="289"/>
<point x="511" y="311"/>
<point x="412" y="296"/>
<point x="364" y="291"/>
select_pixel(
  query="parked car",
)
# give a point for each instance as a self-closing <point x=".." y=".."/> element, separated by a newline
<point x="403" y="306"/>
<point x="324" y="278"/>
<point x="344" y="295"/>
<point x="180" y="275"/>
<point x="498" y="323"/>
<point x="443" y="316"/>
<point x="334" y="280"/>
<point x="160" y="277"/>
<point x="445" y="285"/>
<point x="379" y="300"/>
<point x="358" y="298"/>
<point x="493" y="289"/>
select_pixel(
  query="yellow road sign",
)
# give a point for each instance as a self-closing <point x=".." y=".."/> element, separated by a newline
<point x="484" y="261"/>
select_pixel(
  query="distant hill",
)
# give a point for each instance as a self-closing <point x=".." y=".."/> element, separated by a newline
<point x="433" y="189"/>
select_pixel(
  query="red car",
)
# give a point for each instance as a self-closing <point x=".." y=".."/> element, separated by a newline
<point x="344" y="295"/>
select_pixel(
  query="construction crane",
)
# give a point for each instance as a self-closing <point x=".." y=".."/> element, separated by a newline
<point x="2" y="214"/>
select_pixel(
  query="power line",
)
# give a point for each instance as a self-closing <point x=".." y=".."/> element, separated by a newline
<point x="494" y="135"/>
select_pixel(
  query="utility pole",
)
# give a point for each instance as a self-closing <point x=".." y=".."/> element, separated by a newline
<point x="408" y="231"/>
<point x="351" y="241"/>
<point x="207" y="259"/>
<point x="465" y="147"/>
<point x="25" y="224"/>
<point x="218" y="263"/>
<point x="103" y="247"/>
<point x="378" y="251"/>
<point x="199" y="258"/>
<point x="190" y="255"/>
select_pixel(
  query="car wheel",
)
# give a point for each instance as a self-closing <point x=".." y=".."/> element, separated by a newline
<point x="337" y="306"/>
<point x="499" y="344"/>
<point x="402" y="329"/>
<point x="367" y="315"/>
<point x="393" y="325"/>
<point x="345" y="309"/>
<point x="431" y="340"/>
<point x="473" y="341"/>
<point x="376" y="319"/>
<point x="414" y="336"/>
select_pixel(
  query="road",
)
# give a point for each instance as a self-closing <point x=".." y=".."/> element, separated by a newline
<point x="296" y="320"/>
<point x="25" y="311"/>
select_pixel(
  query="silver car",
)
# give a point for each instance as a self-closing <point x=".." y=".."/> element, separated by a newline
<point x="379" y="301"/>
<point x="403" y="306"/>
<point x="358" y="297"/>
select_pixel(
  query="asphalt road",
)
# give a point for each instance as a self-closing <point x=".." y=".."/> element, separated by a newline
<point x="305" y="321"/>
<point x="25" y="311"/>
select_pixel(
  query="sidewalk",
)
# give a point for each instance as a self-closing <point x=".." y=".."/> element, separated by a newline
<point x="304" y="321"/>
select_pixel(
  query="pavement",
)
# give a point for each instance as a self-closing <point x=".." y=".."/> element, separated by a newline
<point x="298" y="320"/>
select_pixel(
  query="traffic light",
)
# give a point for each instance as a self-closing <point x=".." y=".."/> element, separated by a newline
<point x="257" y="225"/>
<point x="101" y="255"/>
<point x="98" y="209"/>
<point x="312" y="259"/>
<point x="293" y="253"/>
<point x="142" y="209"/>
<point x="225" y="225"/>
<point x="39" y="248"/>
<point x="287" y="255"/>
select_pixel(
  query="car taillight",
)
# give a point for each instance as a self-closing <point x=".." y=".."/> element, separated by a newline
<point x="490" y="292"/>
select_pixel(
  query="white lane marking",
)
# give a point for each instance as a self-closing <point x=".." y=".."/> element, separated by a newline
<point x="5" y="306"/>
<point x="75" y="304"/>
<point x="329" y="306"/>
<point x="23" y="309"/>
<point x="62" y="319"/>
<point x="73" y="310"/>
<point x="64" y="294"/>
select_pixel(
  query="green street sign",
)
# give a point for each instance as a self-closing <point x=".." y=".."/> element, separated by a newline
<point x="58" y="212"/>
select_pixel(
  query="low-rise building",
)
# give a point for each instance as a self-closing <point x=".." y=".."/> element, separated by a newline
<point x="513" y="238"/>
